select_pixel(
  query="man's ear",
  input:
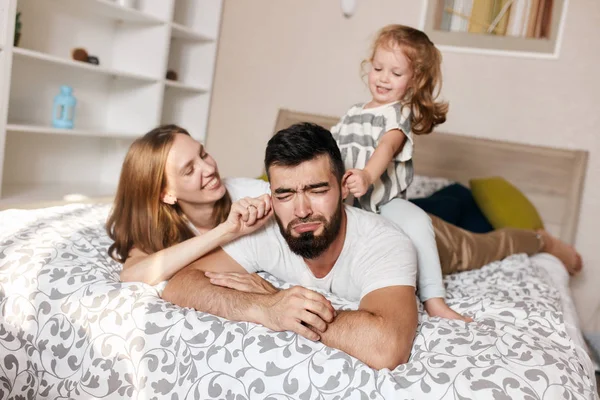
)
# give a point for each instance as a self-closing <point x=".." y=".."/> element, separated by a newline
<point x="169" y="198"/>
<point x="344" y="188"/>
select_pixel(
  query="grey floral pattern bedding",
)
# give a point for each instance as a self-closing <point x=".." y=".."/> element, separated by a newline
<point x="70" y="330"/>
<point x="425" y="186"/>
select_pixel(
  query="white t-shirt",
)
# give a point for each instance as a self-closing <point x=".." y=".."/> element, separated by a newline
<point x="375" y="254"/>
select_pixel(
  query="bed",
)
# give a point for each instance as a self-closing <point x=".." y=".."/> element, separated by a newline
<point x="551" y="178"/>
<point x="70" y="329"/>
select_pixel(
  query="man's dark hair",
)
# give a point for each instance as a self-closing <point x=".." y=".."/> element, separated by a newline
<point x="303" y="142"/>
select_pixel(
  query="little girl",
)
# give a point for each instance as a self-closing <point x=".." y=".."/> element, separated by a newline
<point x="376" y="142"/>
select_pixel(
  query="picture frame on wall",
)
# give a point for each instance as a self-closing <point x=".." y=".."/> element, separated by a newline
<point x="520" y="28"/>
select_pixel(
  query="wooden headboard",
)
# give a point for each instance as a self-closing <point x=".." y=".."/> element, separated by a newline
<point x="551" y="178"/>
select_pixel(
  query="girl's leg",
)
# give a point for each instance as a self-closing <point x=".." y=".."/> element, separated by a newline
<point x="418" y="227"/>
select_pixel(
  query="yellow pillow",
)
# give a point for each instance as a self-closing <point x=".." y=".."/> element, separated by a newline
<point x="264" y="177"/>
<point x="504" y="205"/>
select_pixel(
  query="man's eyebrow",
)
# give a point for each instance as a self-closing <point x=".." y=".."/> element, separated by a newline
<point x="283" y="190"/>
<point x="316" y="185"/>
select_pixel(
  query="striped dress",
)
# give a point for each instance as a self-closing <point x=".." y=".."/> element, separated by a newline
<point x="357" y="135"/>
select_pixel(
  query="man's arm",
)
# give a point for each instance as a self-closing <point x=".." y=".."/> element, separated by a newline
<point x="190" y="288"/>
<point x="284" y="310"/>
<point x="381" y="332"/>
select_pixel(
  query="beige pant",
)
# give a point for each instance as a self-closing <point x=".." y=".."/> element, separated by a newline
<point x="461" y="250"/>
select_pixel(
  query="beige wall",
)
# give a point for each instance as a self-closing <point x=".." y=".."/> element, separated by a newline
<point x="305" y="56"/>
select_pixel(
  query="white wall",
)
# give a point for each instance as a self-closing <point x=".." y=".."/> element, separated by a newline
<point x="305" y="56"/>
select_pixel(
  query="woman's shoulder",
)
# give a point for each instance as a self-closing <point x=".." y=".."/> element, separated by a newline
<point x="246" y="187"/>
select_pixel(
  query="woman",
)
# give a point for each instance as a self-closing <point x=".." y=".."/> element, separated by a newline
<point x="172" y="208"/>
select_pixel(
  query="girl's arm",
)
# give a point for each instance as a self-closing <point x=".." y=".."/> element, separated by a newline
<point x="389" y="146"/>
<point x="359" y="180"/>
<point x="245" y="217"/>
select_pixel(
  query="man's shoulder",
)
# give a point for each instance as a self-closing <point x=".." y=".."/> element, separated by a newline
<point x="245" y="187"/>
<point x="371" y="225"/>
<point x="267" y="237"/>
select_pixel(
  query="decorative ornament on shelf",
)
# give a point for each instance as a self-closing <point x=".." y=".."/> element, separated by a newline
<point x="172" y="75"/>
<point x="80" y="54"/>
<point x="18" y="26"/>
<point x="348" y="7"/>
<point x="63" y="111"/>
<point x="93" y="60"/>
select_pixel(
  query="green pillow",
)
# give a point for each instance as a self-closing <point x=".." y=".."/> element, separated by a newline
<point x="504" y="205"/>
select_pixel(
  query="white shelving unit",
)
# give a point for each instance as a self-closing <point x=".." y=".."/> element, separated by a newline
<point x="185" y="33"/>
<point x="30" y="56"/>
<point x="120" y="99"/>
<point x="184" y="87"/>
<point x="74" y="132"/>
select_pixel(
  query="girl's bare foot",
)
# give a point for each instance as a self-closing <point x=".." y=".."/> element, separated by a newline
<point x="437" y="307"/>
<point x="563" y="251"/>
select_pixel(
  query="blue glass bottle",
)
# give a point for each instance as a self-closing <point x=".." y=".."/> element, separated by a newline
<point x="63" y="112"/>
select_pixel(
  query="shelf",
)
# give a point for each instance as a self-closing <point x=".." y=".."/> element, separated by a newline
<point x="118" y="101"/>
<point x="183" y="32"/>
<point x="48" y="194"/>
<point x="36" y="55"/>
<point x="185" y="87"/>
<point x="110" y="9"/>
<point x="75" y="132"/>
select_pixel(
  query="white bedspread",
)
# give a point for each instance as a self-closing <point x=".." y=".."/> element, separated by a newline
<point x="69" y="329"/>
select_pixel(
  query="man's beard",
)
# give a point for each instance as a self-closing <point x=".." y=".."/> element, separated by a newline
<point x="307" y="245"/>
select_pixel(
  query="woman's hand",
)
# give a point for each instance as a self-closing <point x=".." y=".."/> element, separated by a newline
<point x="251" y="283"/>
<point x="248" y="215"/>
<point x="357" y="181"/>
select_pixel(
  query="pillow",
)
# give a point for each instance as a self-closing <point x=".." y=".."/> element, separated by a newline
<point x="504" y="205"/>
<point x="455" y="204"/>
<point x="263" y="177"/>
<point x="471" y="218"/>
<point x="444" y="207"/>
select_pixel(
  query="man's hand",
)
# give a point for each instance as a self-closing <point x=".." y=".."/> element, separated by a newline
<point x="294" y="308"/>
<point x="243" y="282"/>
<point x="248" y="215"/>
<point x="357" y="181"/>
<point x="381" y="332"/>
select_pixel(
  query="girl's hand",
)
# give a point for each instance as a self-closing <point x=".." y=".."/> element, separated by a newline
<point x="248" y="215"/>
<point x="357" y="181"/>
<point x="251" y="283"/>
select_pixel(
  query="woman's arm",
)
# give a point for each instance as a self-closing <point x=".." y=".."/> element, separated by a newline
<point x="162" y="265"/>
<point x="246" y="216"/>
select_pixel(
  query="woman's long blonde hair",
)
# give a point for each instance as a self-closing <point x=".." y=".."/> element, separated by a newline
<point x="425" y="60"/>
<point x="139" y="218"/>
